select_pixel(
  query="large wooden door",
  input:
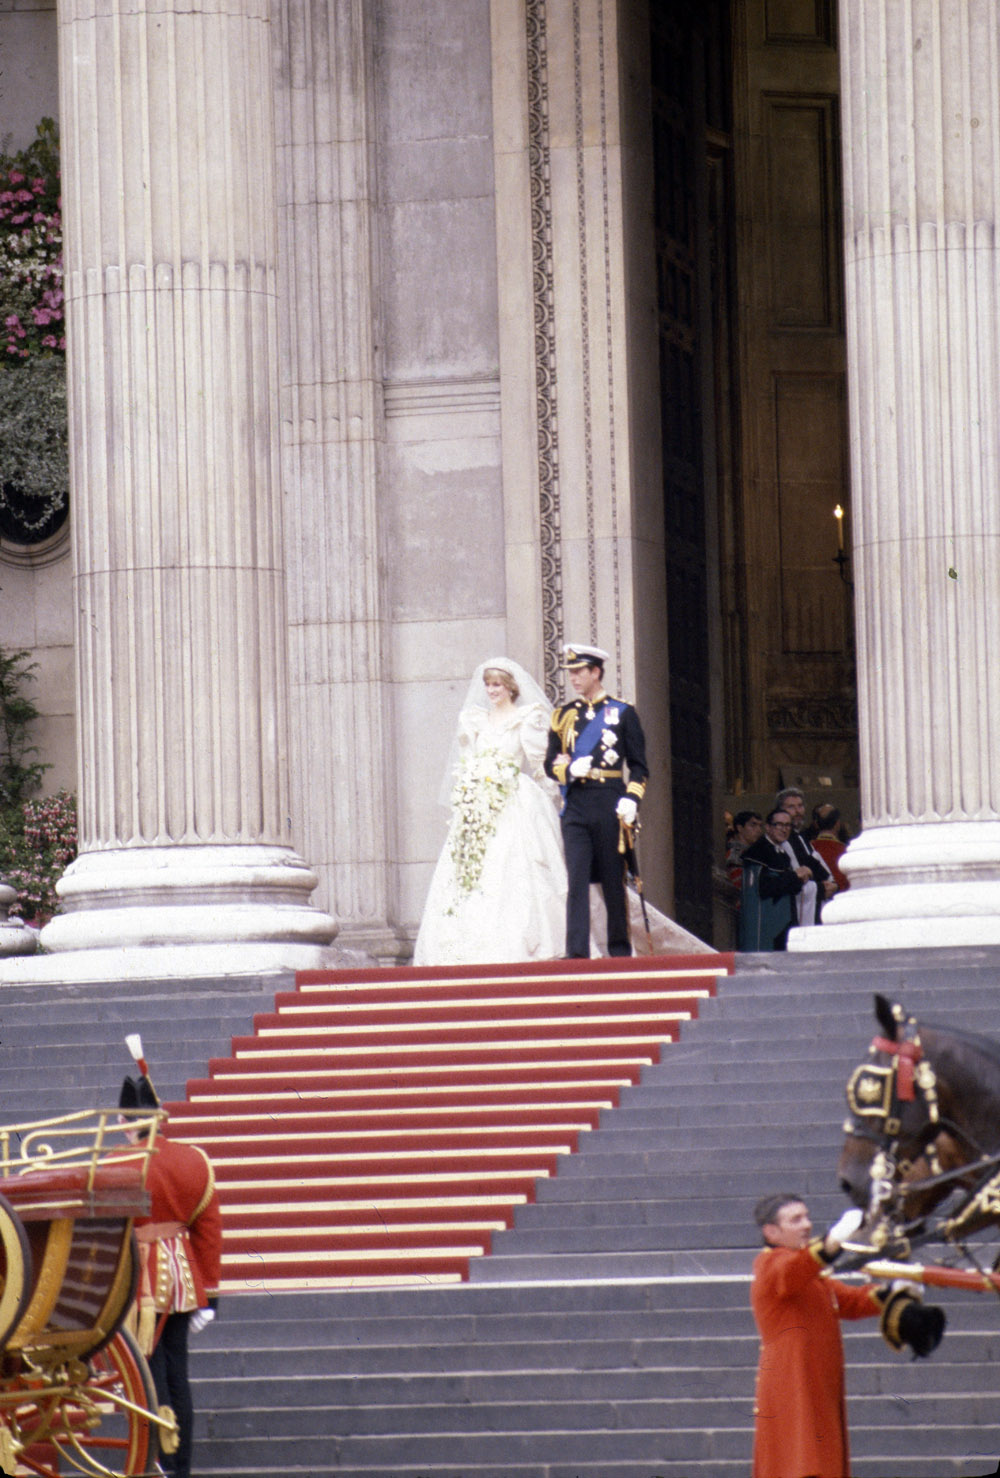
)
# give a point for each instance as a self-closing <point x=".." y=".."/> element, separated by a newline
<point x="798" y="681"/>
<point x="753" y="411"/>
<point x="691" y="98"/>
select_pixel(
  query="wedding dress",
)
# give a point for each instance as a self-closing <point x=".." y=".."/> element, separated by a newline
<point x="498" y="892"/>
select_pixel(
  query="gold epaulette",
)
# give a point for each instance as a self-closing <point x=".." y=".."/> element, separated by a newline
<point x="817" y="1248"/>
<point x="563" y="720"/>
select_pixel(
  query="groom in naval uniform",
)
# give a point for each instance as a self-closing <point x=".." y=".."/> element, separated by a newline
<point x="590" y="741"/>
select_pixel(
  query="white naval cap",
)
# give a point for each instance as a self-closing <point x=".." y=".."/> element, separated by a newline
<point x="576" y="655"/>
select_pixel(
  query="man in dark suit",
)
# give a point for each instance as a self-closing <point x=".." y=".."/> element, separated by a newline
<point x="591" y="742"/>
<point x="794" y="802"/>
<point x="781" y="876"/>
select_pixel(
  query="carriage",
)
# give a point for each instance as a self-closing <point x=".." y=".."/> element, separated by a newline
<point x="76" y="1396"/>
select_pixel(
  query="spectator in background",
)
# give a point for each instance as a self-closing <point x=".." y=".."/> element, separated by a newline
<point x="748" y="826"/>
<point x="828" y="836"/>
<point x="793" y="801"/>
<point x="776" y="878"/>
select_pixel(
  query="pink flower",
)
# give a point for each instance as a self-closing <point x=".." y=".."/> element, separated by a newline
<point x="16" y="177"/>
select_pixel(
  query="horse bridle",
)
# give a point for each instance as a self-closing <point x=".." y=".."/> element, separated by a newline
<point x="876" y="1094"/>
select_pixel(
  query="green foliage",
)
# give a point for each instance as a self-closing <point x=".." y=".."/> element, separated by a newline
<point x="37" y="836"/>
<point x="38" y="841"/>
<point x="34" y="477"/>
<point x="20" y="776"/>
<point x="33" y="445"/>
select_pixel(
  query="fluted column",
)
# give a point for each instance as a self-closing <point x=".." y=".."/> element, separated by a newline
<point x="921" y="111"/>
<point x="331" y="414"/>
<point x="170" y="254"/>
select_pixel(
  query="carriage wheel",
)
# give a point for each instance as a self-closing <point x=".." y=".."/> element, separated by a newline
<point x="97" y="1424"/>
<point x="15" y="1264"/>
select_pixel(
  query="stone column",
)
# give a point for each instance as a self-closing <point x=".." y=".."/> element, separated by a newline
<point x="331" y="415"/>
<point x="583" y="493"/>
<point x="170" y="254"/>
<point x="921" y="126"/>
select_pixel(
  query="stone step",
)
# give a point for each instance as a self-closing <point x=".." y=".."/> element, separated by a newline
<point x="609" y="1335"/>
<point x="662" y="1186"/>
<point x="983" y="1466"/>
<point x="428" y="1452"/>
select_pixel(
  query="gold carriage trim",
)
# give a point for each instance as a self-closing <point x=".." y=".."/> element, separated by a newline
<point x="79" y="1144"/>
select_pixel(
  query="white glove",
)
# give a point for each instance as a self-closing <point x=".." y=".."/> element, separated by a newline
<point x="846" y="1226"/>
<point x="200" y="1319"/>
<point x="627" y="810"/>
<point x="581" y="766"/>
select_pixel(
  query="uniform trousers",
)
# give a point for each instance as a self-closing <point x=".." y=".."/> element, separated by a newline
<point x="168" y="1365"/>
<point x="590" y="840"/>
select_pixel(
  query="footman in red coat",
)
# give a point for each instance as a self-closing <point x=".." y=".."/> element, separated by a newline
<point x="801" y="1419"/>
<point x="180" y="1252"/>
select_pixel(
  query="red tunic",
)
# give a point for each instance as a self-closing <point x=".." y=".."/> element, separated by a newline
<point x="180" y="1242"/>
<point x="801" y="1427"/>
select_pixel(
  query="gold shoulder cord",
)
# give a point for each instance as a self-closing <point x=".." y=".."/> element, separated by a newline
<point x="564" y="722"/>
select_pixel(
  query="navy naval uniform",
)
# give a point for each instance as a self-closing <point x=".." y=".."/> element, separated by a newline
<point x="589" y="823"/>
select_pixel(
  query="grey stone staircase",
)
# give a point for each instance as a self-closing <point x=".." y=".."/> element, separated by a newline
<point x="62" y="1047"/>
<point x="608" y="1335"/>
<point x="576" y="1380"/>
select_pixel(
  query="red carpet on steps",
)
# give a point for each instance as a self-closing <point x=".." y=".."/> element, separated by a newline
<point x="379" y="1125"/>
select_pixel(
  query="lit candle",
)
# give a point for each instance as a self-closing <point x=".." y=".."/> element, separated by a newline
<point x="838" y="514"/>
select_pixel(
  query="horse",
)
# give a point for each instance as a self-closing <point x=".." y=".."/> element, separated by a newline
<point x="924" y="1124"/>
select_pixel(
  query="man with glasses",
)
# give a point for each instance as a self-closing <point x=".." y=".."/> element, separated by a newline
<point x="793" y="801"/>
<point x="778" y="875"/>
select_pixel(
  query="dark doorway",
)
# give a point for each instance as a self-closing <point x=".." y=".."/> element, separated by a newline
<point x="691" y="94"/>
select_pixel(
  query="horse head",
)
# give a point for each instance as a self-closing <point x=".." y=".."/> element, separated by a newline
<point x="893" y="1124"/>
<point x="915" y="1119"/>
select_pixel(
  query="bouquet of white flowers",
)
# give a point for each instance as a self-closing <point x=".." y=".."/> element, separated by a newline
<point x="483" y="786"/>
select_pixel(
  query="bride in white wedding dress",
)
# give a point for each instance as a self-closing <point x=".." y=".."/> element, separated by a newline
<point x="499" y="889"/>
<point x="498" y="893"/>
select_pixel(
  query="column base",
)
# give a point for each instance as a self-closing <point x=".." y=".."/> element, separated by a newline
<point x="166" y="963"/>
<point x="923" y="885"/>
<point x="177" y="896"/>
<point x="378" y="944"/>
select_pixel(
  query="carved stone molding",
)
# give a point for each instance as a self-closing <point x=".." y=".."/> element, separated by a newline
<point x="818" y="718"/>
<point x="440" y="397"/>
<point x="545" y="346"/>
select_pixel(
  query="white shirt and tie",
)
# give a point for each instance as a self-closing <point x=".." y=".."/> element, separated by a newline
<point x="803" y="855"/>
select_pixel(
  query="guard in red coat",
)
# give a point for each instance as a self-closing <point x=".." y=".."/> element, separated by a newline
<point x="180" y="1250"/>
<point x="801" y="1417"/>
